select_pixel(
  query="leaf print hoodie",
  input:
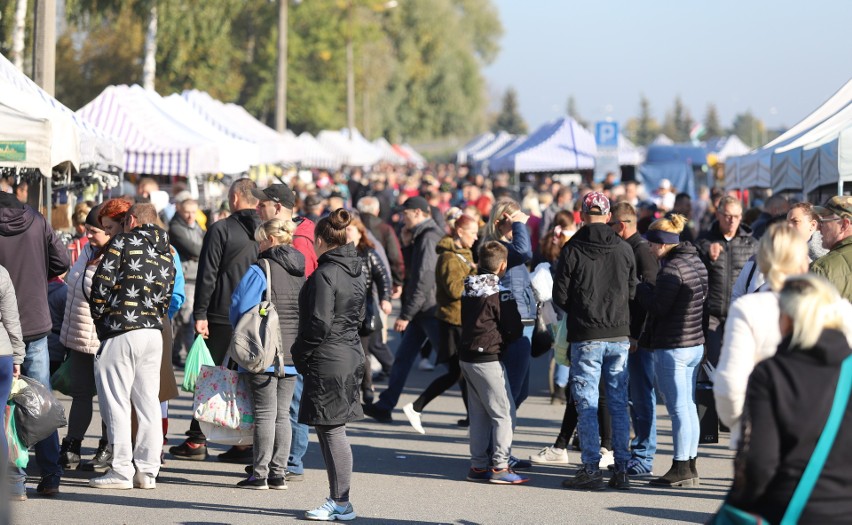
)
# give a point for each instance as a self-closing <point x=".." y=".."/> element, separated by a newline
<point x="132" y="286"/>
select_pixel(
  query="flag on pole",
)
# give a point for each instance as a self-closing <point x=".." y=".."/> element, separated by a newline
<point x="698" y="130"/>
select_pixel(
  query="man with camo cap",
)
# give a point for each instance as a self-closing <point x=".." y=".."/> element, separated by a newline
<point x="835" y="225"/>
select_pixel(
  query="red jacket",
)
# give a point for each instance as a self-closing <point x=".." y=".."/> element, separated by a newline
<point x="303" y="240"/>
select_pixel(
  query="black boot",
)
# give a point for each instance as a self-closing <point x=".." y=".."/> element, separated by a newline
<point x="69" y="452"/>
<point x="559" y="396"/>
<point x="678" y="476"/>
<point x="696" y="480"/>
<point x="101" y="461"/>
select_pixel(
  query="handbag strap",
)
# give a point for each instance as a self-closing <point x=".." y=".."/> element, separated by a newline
<point x="823" y="446"/>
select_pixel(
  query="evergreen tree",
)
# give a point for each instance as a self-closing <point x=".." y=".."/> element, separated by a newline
<point x="750" y="129"/>
<point x="712" y="126"/>
<point x="571" y="110"/>
<point x="509" y="119"/>
<point x="646" y="127"/>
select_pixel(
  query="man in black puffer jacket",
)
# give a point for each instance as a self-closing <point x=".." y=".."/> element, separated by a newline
<point x="724" y="248"/>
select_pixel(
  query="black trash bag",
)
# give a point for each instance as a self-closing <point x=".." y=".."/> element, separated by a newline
<point x="37" y="413"/>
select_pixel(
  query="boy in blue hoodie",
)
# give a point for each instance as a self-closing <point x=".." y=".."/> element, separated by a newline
<point x="490" y="320"/>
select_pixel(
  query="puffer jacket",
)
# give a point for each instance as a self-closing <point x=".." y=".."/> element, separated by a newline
<point x="11" y="339"/>
<point x="723" y="272"/>
<point x="517" y="277"/>
<point x="675" y="304"/>
<point x="132" y="287"/>
<point x="287" y="273"/>
<point x="376" y="274"/>
<point x="836" y="266"/>
<point x="78" y="329"/>
<point x="454" y="264"/>
<point x="328" y="349"/>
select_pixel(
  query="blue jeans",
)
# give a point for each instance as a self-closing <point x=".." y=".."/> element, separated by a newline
<point x="560" y="375"/>
<point x="299" y="442"/>
<point x="590" y="360"/>
<point x="421" y="329"/>
<point x="643" y="408"/>
<point x="677" y="372"/>
<point x="516" y="358"/>
<point x="37" y="366"/>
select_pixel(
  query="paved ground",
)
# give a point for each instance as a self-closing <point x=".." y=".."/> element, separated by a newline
<point x="400" y="477"/>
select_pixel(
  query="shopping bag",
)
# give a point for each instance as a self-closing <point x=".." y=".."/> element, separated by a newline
<point x="38" y="414"/>
<point x="542" y="338"/>
<point x="561" y="346"/>
<point x="197" y="357"/>
<point x="541" y="281"/>
<point x="730" y="515"/>
<point x="227" y="436"/>
<point x="18" y="453"/>
<point x="61" y="379"/>
<point x="222" y="398"/>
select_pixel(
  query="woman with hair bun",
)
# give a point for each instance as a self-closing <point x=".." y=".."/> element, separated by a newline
<point x="328" y="354"/>
<point x="675" y="305"/>
<point x="751" y="332"/>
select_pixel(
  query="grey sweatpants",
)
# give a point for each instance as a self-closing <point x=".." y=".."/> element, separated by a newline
<point x="492" y="412"/>
<point x="270" y="398"/>
<point x="127" y="369"/>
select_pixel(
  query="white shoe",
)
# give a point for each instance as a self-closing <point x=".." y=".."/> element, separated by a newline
<point x="375" y="366"/>
<point x="607" y="458"/>
<point x="551" y="455"/>
<point x="413" y="417"/>
<point x="144" y="481"/>
<point x="111" y="480"/>
<point x="425" y="365"/>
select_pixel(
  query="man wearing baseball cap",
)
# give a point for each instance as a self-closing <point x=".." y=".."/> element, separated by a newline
<point x="595" y="278"/>
<point x="835" y="225"/>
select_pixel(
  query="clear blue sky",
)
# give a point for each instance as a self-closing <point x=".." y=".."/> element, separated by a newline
<point x="779" y="59"/>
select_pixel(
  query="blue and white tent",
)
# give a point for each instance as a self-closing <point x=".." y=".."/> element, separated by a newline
<point x="483" y="166"/>
<point x="473" y="145"/>
<point x="558" y="146"/>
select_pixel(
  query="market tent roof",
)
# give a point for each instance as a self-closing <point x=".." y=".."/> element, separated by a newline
<point x="486" y="151"/>
<point x="313" y="153"/>
<point x="356" y="151"/>
<point x="483" y="166"/>
<point x="236" y="122"/>
<point x="95" y="145"/>
<point x="628" y="153"/>
<point x="235" y="155"/>
<point x="155" y="144"/>
<point x="725" y="147"/>
<point x="413" y="156"/>
<point x="26" y="141"/>
<point x="675" y="163"/>
<point x="559" y="145"/>
<point x="686" y="153"/>
<point x="474" y="144"/>
<point x="662" y="140"/>
<point x="389" y="154"/>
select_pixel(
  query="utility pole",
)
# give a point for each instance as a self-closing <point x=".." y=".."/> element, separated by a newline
<point x="44" y="50"/>
<point x="281" y="82"/>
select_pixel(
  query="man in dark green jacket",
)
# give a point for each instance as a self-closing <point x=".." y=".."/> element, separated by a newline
<point x="835" y="225"/>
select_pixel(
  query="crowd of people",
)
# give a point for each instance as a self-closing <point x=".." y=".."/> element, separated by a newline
<point x="652" y="290"/>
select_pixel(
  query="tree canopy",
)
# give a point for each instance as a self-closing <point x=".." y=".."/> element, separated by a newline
<point x="509" y="119"/>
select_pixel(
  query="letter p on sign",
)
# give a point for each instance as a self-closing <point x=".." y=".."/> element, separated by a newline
<point x="606" y="134"/>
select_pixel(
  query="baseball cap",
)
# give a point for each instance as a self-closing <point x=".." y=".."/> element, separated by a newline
<point x="597" y="200"/>
<point x="840" y="205"/>
<point x="280" y="193"/>
<point x="416" y="203"/>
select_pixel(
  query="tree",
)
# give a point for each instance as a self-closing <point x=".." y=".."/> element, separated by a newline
<point x="750" y="129"/>
<point x="712" y="126"/>
<point x="509" y="119"/>
<point x="571" y="110"/>
<point x="677" y="122"/>
<point x="644" y="129"/>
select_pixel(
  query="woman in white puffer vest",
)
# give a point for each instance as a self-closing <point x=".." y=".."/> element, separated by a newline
<point x="79" y="336"/>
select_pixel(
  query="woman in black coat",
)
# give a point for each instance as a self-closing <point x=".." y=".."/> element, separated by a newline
<point x="675" y="305"/>
<point x="788" y="400"/>
<point x="328" y="354"/>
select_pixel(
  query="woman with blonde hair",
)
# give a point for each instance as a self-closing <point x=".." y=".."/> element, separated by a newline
<point x="272" y="389"/>
<point x="751" y="333"/>
<point x="787" y="405"/>
<point x="674" y="327"/>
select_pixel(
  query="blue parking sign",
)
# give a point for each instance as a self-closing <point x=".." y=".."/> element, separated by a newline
<point x="606" y="134"/>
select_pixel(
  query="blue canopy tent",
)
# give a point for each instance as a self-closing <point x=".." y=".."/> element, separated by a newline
<point x="676" y="163"/>
<point x="473" y="145"/>
<point x="561" y="145"/>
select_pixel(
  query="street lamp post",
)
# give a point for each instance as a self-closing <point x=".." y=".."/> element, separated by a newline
<point x="281" y="79"/>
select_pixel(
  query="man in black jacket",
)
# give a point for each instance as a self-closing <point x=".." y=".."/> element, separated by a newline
<point x="228" y="250"/>
<point x="725" y="248"/>
<point x="417" y="320"/>
<point x="640" y="362"/>
<point x="32" y="253"/>
<point x="187" y="237"/>
<point x="595" y="278"/>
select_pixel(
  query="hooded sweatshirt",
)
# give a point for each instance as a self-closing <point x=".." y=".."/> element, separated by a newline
<point x="132" y="287"/>
<point x="490" y="319"/>
<point x="32" y="253"/>
<point x="595" y="279"/>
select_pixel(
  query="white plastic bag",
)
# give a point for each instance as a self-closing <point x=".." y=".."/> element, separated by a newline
<point x="226" y="436"/>
<point x="542" y="282"/>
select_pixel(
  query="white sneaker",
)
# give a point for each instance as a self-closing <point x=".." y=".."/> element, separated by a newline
<point x="413" y="417"/>
<point x="144" y="481"/>
<point x="607" y="458"/>
<point x="375" y="366"/>
<point x="425" y="365"/>
<point x="111" y="480"/>
<point x="328" y="511"/>
<point x="551" y="455"/>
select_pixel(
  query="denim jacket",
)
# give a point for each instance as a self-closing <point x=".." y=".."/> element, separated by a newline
<point x="517" y="277"/>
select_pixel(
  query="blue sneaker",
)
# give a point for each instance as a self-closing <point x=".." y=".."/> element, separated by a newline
<point x="478" y="474"/>
<point x="505" y="476"/>
<point x="330" y="511"/>
<point x="638" y="469"/>
<point x="519" y="464"/>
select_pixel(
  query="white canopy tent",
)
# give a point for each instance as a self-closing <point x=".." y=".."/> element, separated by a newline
<point x="155" y="143"/>
<point x="354" y="151"/>
<point x="474" y="144"/>
<point x="389" y="154"/>
<point x="314" y="154"/>
<point x="487" y="150"/>
<point x="557" y="146"/>
<point x="413" y="156"/>
<point x="628" y="153"/>
<point x="236" y="122"/>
